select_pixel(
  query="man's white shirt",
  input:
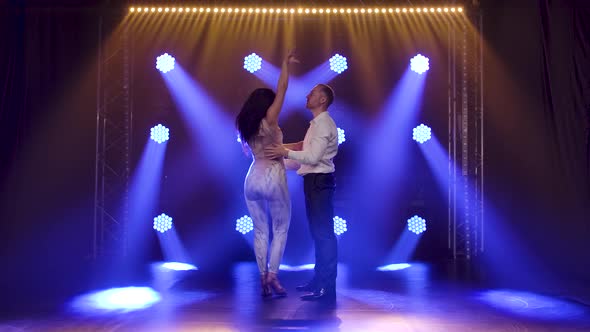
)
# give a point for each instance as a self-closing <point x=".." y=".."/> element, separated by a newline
<point x="320" y="146"/>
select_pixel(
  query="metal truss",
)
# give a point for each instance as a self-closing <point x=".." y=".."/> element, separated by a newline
<point x="466" y="154"/>
<point x="113" y="141"/>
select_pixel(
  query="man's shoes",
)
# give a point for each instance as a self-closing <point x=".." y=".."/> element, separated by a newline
<point x="309" y="287"/>
<point x="322" y="294"/>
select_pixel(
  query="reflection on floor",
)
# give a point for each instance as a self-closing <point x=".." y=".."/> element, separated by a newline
<point x="416" y="297"/>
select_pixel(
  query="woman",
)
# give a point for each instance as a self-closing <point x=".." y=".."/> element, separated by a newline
<point x="265" y="186"/>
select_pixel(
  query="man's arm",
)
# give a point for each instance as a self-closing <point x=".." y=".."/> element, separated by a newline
<point x="294" y="146"/>
<point x="311" y="156"/>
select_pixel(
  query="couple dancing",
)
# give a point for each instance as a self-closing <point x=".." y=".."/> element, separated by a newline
<point x="266" y="190"/>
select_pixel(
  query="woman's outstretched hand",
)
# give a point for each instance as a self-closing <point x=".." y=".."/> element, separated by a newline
<point x="291" y="57"/>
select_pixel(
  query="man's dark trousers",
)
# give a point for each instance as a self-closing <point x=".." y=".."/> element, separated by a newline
<point x="319" y="193"/>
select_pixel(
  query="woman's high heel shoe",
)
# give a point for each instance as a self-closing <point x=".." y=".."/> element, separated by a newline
<point x="266" y="291"/>
<point x="273" y="282"/>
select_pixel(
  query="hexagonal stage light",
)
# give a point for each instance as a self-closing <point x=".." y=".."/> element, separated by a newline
<point x="339" y="225"/>
<point x="421" y="133"/>
<point x="341" y="136"/>
<point x="165" y="63"/>
<point x="338" y="63"/>
<point x="159" y="134"/>
<point x="244" y="224"/>
<point x="252" y="62"/>
<point x="417" y="225"/>
<point x="162" y="223"/>
<point x="419" y="64"/>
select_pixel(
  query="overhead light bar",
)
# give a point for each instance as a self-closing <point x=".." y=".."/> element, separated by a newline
<point x="296" y="10"/>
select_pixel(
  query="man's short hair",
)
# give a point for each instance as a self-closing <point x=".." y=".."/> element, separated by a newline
<point x="329" y="92"/>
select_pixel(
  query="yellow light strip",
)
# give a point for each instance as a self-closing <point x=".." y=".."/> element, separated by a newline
<point x="296" y="10"/>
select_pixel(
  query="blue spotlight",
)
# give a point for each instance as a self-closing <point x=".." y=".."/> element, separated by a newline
<point x="338" y="63"/>
<point x="160" y="133"/>
<point x="341" y="136"/>
<point x="421" y="133"/>
<point x="162" y="223"/>
<point x="177" y="266"/>
<point x="252" y="62"/>
<point x="305" y="267"/>
<point x="394" y="267"/>
<point x="416" y="224"/>
<point x="533" y="305"/>
<point x="419" y="64"/>
<point x="339" y="225"/>
<point x="165" y="63"/>
<point x="244" y="225"/>
<point x="117" y="299"/>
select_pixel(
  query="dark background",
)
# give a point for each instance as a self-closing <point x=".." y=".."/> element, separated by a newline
<point x="537" y="108"/>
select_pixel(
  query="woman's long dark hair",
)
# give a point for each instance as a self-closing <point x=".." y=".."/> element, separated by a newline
<point x="252" y="113"/>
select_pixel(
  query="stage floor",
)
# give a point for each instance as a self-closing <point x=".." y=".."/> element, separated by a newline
<point x="417" y="298"/>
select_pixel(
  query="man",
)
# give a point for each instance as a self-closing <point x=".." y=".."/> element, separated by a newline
<point x="316" y="154"/>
